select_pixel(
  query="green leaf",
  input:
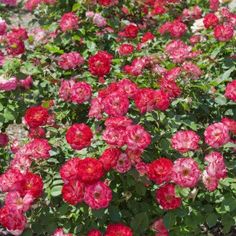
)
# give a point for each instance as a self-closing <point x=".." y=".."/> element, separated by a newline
<point x="53" y="49"/>
<point x="140" y="222"/>
<point x="221" y="100"/>
<point x="169" y="219"/>
<point x="76" y="6"/>
<point x="227" y="222"/>
<point x="29" y="69"/>
<point x="140" y="189"/>
<point x="115" y="214"/>
<point x="56" y="191"/>
<point x="27" y="233"/>
<point x="8" y="115"/>
<point x="211" y="219"/>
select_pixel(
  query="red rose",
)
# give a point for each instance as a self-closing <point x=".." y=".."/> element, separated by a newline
<point x="36" y="116"/>
<point x="160" y="170"/>
<point x="15" y="46"/>
<point x="210" y="20"/>
<point x="12" y="219"/>
<point x="144" y="100"/>
<point x="90" y="170"/>
<point x="19" y="33"/>
<point x="69" y="21"/>
<point x="3" y="140"/>
<point x="224" y="33"/>
<point x="162" y="101"/>
<point x="37" y="132"/>
<point x="79" y="136"/>
<point x="109" y="158"/>
<point x="100" y="63"/>
<point x="73" y="192"/>
<point x="69" y="170"/>
<point x="131" y="31"/>
<point x="3" y="27"/>
<point x="94" y="232"/>
<point x="167" y="198"/>
<point x="118" y="229"/>
<point x="125" y="49"/>
<point x="33" y="185"/>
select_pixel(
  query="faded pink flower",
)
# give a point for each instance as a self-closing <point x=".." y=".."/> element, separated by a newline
<point x="69" y="21"/>
<point x="216" y="135"/>
<point x="137" y="138"/>
<point x="65" y="89"/>
<point x="71" y="60"/>
<point x="116" y="104"/>
<point x="15" y="201"/>
<point x="123" y="164"/>
<point x="230" y="91"/>
<point x="210" y="182"/>
<point x="96" y="108"/>
<point x="186" y="172"/>
<point x="97" y="195"/>
<point x="99" y="20"/>
<point x="216" y="167"/>
<point x="192" y="70"/>
<point x="178" y="51"/>
<point x="184" y="141"/>
<point x="8" y="84"/>
<point x="159" y="227"/>
<point x="81" y="92"/>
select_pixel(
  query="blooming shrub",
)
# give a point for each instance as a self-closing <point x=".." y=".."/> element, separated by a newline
<point x="117" y="117"/>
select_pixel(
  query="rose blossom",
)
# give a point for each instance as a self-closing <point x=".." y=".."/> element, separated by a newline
<point x="79" y="136"/>
<point x="71" y="60"/>
<point x="186" y="172"/>
<point x="97" y="195"/>
<point x="80" y="92"/>
<point x="210" y="182"/>
<point x="159" y="227"/>
<point x="60" y="232"/>
<point x="160" y="170"/>
<point x="36" y="116"/>
<point x="216" y="166"/>
<point x="167" y="198"/>
<point x="94" y="232"/>
<point x="8" y="84"/>
<point x="73" y="192"/>
<point x="109" y="158"/>
<point x="216" y="135"/>
<point x="230" y="123"/>
<point x="224" y="32"/>
<point x="3" y="140"/>
<point x="210" y="20"/>
<point x="123" y="163"/>
<point x="90" y="170"/>
<point x="118" y="229"/>
<point x="116" y="104"/>
<point x="3" y="26"/>
<point x="69" y="170"/>
<point x="69" y="21"/>
<point x="184" y="141"/>
<point x="230" y="91"/>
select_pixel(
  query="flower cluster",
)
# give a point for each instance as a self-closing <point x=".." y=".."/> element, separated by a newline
<point x="131" y="120"/>
<point x="22" y="187"/>
<point x="82" y="183"/>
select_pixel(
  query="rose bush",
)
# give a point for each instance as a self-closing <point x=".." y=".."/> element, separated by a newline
<point x="117" y="117"/>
